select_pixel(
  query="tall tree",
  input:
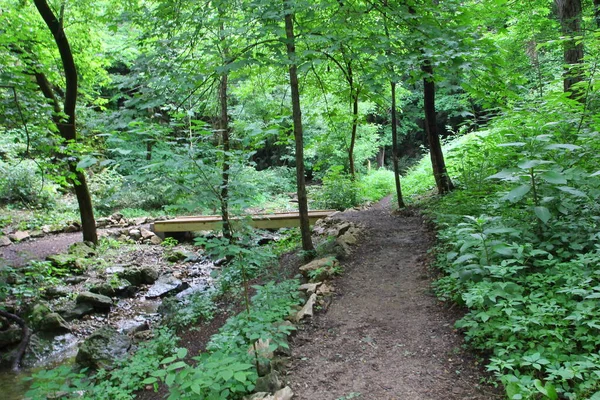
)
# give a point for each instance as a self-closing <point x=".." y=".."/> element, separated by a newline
<point x="290" y="42"/>
<point x="438" y="164"/>
<point x="440" y="173"/>
<point x="569" y="14"/>
<point x="67" y="126"/>
<point x="391" y="66"/>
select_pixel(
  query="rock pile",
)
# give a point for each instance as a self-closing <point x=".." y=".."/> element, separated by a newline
<point x="116" y="221"/>
<point x="339" y="235"/>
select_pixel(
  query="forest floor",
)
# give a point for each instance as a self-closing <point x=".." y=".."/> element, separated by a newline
<point x="384" y="336"/>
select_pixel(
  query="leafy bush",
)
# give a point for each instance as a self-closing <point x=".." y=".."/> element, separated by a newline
<point x="339" y="191"/>
<point x="199" y="306"/>
<point x="120" y="383"/>
<point x="22" y="184"/>
<point x="105" y="188"/>
<point x="376" y="185"/>
<point x="227" y="369"/>
<point x="520" y="250"/>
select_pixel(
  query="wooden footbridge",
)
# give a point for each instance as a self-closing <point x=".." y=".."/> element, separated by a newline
<point x="260" y="221"/>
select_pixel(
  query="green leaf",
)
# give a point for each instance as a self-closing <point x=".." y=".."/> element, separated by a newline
<point x="517" y="193"/>
<point x="86" y="162"/>
<point x="226" y="374"/>
<point x="240" y="376"/>
<point x="570" y="190"/>
<point x="182" y="352"/>
<point x="562" y="146"/>
<point x="464" y="258"/>
<point x="179" y="364"/>
<point x="595" y="396"/>
<point x="513" y="144"/>
<point x="528" y="164"/>
<point x="195" y="388"/>
<point x="503" y="175"/>
<point x="150" y="380"/>
<point x="554" y="177"/>
<point x="542" y="213"/>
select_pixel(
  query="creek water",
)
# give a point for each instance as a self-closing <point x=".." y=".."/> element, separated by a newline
<point x="50" y="352"/>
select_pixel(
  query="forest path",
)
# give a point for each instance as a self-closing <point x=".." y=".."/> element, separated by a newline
<point x="385" y="336"/>
<point x="19" y="254"/>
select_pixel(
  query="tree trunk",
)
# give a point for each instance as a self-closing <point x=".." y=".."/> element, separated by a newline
<point x="569" y="13"/>
<point x="395" y="148"/>
<point x="224" y="127"/>
<point x="353" y="137"/>
<point x="149" y="144"/>
<point x="381" y="157"/>
<point x="442" y="180"/>
<point x="307" y="244"/>
<point x="67" y="128"/>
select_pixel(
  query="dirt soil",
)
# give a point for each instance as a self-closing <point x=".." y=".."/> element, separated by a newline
<point x="38" y="249"/>
<point x="385" y="336"/>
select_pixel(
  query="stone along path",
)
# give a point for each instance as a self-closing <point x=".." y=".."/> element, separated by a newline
<point x="385" y="336"/>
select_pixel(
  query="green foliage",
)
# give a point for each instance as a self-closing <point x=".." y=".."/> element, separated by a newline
<point x="289" y="241"/>
<point x="227" y="369"/>
<point x="120" y="383"/>
<point x="23" y="184"/>
<point x="376" y="185"/>
<point x="105" y="186"/>
<point x="28" y="283"/>
<point x="244" y="261"/>
<point x="199" y="306"/>
<point x="339" y="191"/>
<point x="520" y="247"/>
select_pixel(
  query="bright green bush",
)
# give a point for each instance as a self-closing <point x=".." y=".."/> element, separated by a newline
<point x="105" y="188"/>
<point x="120" y="383"/>
<point x="376" y="185"/>
<point x="338" y="191"/>
<point x="519" y="246"/>
<point x="23" y="184"/>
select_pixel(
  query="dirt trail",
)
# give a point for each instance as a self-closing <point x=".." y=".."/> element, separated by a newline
<point x="385" y="336"/>
<point x="37" y="249"/>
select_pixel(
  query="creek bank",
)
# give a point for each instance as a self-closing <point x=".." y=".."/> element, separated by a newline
<point x="120" y="289"/>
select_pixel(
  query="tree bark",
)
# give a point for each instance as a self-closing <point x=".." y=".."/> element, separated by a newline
<point x="353" y="135"/>
<point x="569" y="14"/>
<point x="381" y="157"/>
<point x="395" y="148"/>
<point x="224" y="127"/>
<point x="67" y="128"/>
<point x="442" y="180"/>
<point x="307" y="244"/>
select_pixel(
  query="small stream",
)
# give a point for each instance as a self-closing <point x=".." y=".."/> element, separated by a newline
<point x="127" y="315"/>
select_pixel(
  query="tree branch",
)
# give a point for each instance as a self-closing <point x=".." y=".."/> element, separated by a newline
<point x="66" y="55"/>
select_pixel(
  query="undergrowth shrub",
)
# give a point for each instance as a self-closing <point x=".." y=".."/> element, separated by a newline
<point x="22" y="184"/>
<point x="227" y="370"/>
<point x="119" y="383"/>
<point x="338" y="191"/>
<point x="520" y="248"/>
<point x="105" y="188"/>
<point x="376" y="185"/>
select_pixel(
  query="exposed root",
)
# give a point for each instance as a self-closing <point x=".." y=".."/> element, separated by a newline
<point x="16" y="364"/>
